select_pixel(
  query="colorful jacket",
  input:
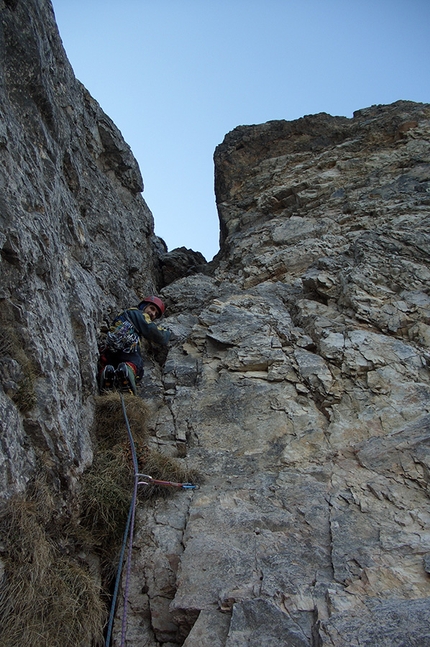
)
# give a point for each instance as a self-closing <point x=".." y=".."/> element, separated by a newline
<point x="132" y="324"/>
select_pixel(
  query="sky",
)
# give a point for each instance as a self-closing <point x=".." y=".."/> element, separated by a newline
<point x="177" y="75"/>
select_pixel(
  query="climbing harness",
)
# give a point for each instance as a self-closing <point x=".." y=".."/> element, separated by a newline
<point x="129" y="532"/>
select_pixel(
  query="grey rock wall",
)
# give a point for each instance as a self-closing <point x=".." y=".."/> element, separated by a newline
<point x="77" y="243"/>
<point x="299" y="384"/>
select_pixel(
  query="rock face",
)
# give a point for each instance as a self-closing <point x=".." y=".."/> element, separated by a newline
<point x="76" y="242"/>
<point x="297" y="380"/>
<point x="181" y="262"/>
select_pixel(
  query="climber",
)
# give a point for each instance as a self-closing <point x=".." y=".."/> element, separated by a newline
<point x="120" y="362"/>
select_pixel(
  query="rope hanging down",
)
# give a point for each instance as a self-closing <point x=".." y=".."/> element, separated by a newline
<point x="129" y="532"/>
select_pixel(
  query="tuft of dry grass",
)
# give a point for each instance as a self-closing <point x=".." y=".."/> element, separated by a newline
<point x="47" y="598"/>
<point x="109" y="425"/>
<point x="106" y="488"/>
<point x="105" y="496"/>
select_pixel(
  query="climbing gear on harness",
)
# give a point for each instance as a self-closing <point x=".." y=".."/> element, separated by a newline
<point x="107" y="378"/>
<point x="156" y="301"/>
<point x="128" y="535"/>
<point x="148" y="480"/>
<point x="125" y="378"/>
<point x="122" y="336"/>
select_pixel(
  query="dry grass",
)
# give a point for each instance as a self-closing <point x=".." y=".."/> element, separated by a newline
<point x="47" y="598"/>
<point x="109" y="424"/>
<point x="105" y="497"/>
<point x="107" y="486"/>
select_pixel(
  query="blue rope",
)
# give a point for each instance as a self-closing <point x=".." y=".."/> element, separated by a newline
<point x="117" y="580"/>
<point x="128" y="533"/>
<point x="128" y="569"/>
<point x="130" y="437"/>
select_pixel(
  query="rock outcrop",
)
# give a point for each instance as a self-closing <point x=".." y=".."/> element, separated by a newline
<point x="77" y="243"/>
<point x="297" y="379"/>
<point x="181" y="262"/>
<point x="301" y="387"/>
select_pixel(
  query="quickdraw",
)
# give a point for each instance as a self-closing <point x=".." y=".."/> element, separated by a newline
<point x="151" y="481"/>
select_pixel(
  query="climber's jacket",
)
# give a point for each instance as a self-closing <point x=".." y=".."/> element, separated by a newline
<point x="146" y="328"/>
<point x="128" y="327"/>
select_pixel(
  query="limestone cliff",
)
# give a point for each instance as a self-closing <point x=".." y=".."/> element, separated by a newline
<point x="302" y="389"/>
<point x="297" y="380"/>
<point x="76" y="239"/>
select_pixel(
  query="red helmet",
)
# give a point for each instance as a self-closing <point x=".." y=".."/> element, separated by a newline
<point x="156" y="301"/>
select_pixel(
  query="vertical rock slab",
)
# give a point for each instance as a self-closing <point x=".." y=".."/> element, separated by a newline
<point x="307" y="406"/>
<point x="76" y="242"/>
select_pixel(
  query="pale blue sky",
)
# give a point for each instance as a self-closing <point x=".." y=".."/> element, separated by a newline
<point x="177" y="75"/>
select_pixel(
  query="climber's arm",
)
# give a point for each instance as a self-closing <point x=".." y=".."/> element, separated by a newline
<point x="148" y="329"/>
